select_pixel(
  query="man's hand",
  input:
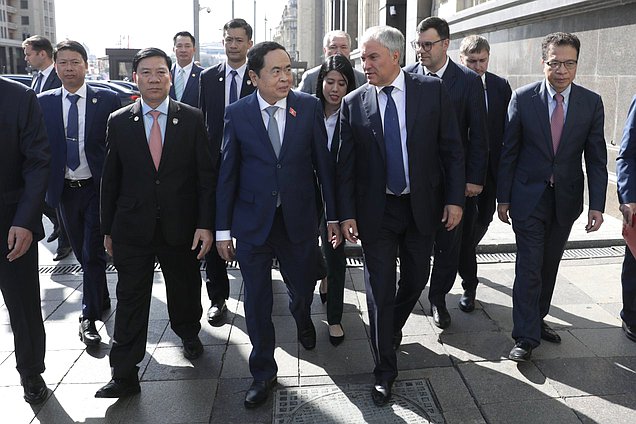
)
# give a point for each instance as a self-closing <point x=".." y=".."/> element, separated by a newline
<point x="226" y="249"/>
<point x="349" y="229"/>
<point x="473" y="190"/>
<point x="594" y="220"/>
<point x="108" y="245"/>
<point x="205" y="237"/>
<point x="452" y="216"/>
<point x="19" y="240"/>
<point x="333" y="234"/>
<point x="502" y="211"/>
<point x="628" y="210"/>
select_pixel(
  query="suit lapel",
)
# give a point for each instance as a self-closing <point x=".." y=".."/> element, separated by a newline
<point x="411" y="105"/>
<point x="138" y="132"/>
<point x="170" y="139"/>
<point x="246" y="87"/>
<point x="254" y="117"/>
<point x="172" y="92"/>
<point x="370" y="102"/>
<point x="290" y="123"/>
<point x="540" y="102"/>
<point x="91" y="108"/>
<point x="572" y="112"/>
<point x="450" y="75"/>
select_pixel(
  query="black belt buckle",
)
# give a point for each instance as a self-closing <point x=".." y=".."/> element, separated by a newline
<point x="78" y="183"/>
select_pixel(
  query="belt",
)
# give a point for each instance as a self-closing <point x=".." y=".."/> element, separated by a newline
<point x="78" y="183"/>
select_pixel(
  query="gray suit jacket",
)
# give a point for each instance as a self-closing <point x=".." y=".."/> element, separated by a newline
<point x="310" y="78"/>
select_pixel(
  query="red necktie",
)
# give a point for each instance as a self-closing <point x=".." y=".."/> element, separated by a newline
<point x="155" y="138"/>
<point x="556" y="123"/>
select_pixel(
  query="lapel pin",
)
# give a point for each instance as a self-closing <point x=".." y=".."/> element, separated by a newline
<point x="194" y="75"/>
<point x="249" y="82"/>
<point x="136" y="118"/>
<point x="175" y="121"/>
<point x="94" y="100"/>
<point x="292" y="112"/>
<point x="220" y="78"/>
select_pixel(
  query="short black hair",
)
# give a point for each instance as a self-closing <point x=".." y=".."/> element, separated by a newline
<point x="39" y="43"/>
<point x="340" y="64"/>
<point x="239" y="23"/>
<point x="73" y="46"/>
<point x="560" y="39"/>
<point x="438" y="24"/>
<point x="150" y="52"/>
<point x="184" y="34"/>
<point x="256" y="55"/>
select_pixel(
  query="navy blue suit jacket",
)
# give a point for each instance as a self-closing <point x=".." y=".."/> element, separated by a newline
<point x="24" y="162"/>
<point x="100" y="103"/>
<point x="251" y="177"/>
<point x="191" y="90"/>
<point x="467" y="95"/>
<point x="528" y="159"/>
<point x="212" y="103"/>
<point x="51" y="82"/>
<point x="498" y="92"/>
<point x="626" y="160"/>
<point x="434" y="151"/>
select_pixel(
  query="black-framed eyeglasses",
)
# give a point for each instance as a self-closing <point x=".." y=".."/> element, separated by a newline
<point x="426" y="45"/>
<point x="556" y="64"/>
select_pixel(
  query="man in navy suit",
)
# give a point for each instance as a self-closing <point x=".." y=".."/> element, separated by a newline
<point x="467" y="95"/>
<point x="400" y="173"/>
<point x="551" y="124"/>
<point x="274" y="144"/>
<point x="474" y="53"/>
<point x="185" y="73"/>
<point x="24" y="170"/>
<point x="38" y="53"/>
<point x="75" y="117"/>
<point x="626" y="181"/>
<point x="221" y="85"/>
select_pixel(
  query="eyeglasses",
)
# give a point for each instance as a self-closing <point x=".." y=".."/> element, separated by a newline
<point x="426" y="45"/>
<point x="556" y="64"/>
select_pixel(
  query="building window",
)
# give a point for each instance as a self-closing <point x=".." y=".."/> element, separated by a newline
<point x="25" y="20"/>
<point x="24" y="4"/>
<point x="465" y="4"/>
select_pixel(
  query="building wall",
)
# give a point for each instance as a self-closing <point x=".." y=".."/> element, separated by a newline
<point x="311" y="24"/>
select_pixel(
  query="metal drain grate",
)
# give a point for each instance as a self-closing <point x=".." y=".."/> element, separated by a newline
<point x="413" y="401"/>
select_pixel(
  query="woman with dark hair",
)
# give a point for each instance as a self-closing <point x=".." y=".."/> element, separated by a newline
<point x="335" y="80"/>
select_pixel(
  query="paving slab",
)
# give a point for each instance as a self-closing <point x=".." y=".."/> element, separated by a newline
<point x="530" y="412"/>
<point x="617" y="409"/>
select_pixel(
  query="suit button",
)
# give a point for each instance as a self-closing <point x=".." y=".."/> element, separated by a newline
<point x="278" y="166"/>
<point x="274" y="193"/>
<point x="157" y="182"/>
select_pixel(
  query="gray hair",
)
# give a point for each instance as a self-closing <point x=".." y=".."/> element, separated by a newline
<point x="473" y="44"/>
<point x="387" y="36"/>
<point x="333" y="34"/>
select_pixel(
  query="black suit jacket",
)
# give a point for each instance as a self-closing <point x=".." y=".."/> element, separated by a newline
<point x="134" y="194"/>
<point x="24" y="162"/>
<point x="467" y="95"/>
<point x="191" y="90"/>
<point x="212" y="103"/>
<point x="51" y="82"/>
<point x="498" y="92"/>
<point x="434" y="149"/>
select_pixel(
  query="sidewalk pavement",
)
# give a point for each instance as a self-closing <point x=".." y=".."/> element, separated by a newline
<point x="590" y="377"/>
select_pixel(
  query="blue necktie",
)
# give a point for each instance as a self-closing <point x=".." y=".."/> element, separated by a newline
<point x="38" y="83"/>
<point x="72" y="134"/>
<point x="233" y="96"/>
<point x="395" y="178"/>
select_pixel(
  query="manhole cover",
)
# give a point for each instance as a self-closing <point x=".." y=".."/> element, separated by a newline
<point x="413" y="401"/>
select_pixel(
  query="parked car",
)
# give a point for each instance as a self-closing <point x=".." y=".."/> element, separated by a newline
<point x="126" y="95"/>
<point x="128" y="84"/>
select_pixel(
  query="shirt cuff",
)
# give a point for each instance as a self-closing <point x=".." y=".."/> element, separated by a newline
<point x="223" y="235"/>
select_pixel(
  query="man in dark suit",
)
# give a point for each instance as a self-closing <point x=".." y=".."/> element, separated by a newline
<point x="24" y="170"/>
<point x="334" y="42"/>
<point x="274" y="144"/>
<point x="78" y="148"/>
<point x="185" y="73"/>
<point x="467" y="95"/>
<point x="626" y="181"/>
<point x="551" y="124"/>
<point x="38" y="53"/>
<point x="400" y="172"/>
<point x="221" y="85"/>
<point x="474" y="53"/>
<point x="157" y="200"/>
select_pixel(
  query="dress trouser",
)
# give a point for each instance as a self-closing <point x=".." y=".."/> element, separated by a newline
<point x="135" y="271"/>
<point x="628" y="280"/>
<point x="336" y="269"/>
<point x="53" y="215"/>
<point x="217" y="282"/>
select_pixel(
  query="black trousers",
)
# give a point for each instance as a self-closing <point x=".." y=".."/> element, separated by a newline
<point x="135" y="271"/>
<point x="217" y="282"/>
<point x="336" y="267"/>
<point x="628" y="280"/>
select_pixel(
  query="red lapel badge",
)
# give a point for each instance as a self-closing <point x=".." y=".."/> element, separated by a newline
<point x="292" y="112"/>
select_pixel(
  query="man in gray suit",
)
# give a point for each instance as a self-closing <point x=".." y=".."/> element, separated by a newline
<point x="335" y="42"/>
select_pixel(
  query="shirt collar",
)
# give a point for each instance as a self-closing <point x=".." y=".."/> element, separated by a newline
<point x="483" y="80"/>
<point x="163" y="107"/>
<point x="80" y="92"/>
<point x="398" y="83"/>
<point x="47" y="71"/>
<point x="240" y="70"/>
<point x="186" y="69"/>
<point x="440" y="72"/>
<point x="262" y="104"/>
<point x="565" y="93"/>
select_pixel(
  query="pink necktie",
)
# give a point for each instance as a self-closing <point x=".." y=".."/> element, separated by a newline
<point x="155" y="138"/>
<point x="556" y="124"/>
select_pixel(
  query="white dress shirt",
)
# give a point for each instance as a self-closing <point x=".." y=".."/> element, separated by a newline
<point x="239" y="81"/>
<point x="83" y="171"/>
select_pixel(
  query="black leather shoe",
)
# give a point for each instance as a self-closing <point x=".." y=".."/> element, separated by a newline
<point x="397" y="340"/>
<point x="336" y="340"/>
<point x="54" y="235"/>
<point x="548" y="334"/>
<point x="62" y="252"/>
<point x="217" y="312"/>
<point x="192" y="348"/>
<point x="307" y="336"/>
<point x="381" y="392"/>
<point x="88" y="333"/>
<point x="258" y="392"/>
<point x="441" y="317"/>
<point x="521" y="352"/>
<point x="119" y="387"/>
<point x="630" y="331"/>
<point x="467" y="301"/>
<point x="35" y="391"/>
